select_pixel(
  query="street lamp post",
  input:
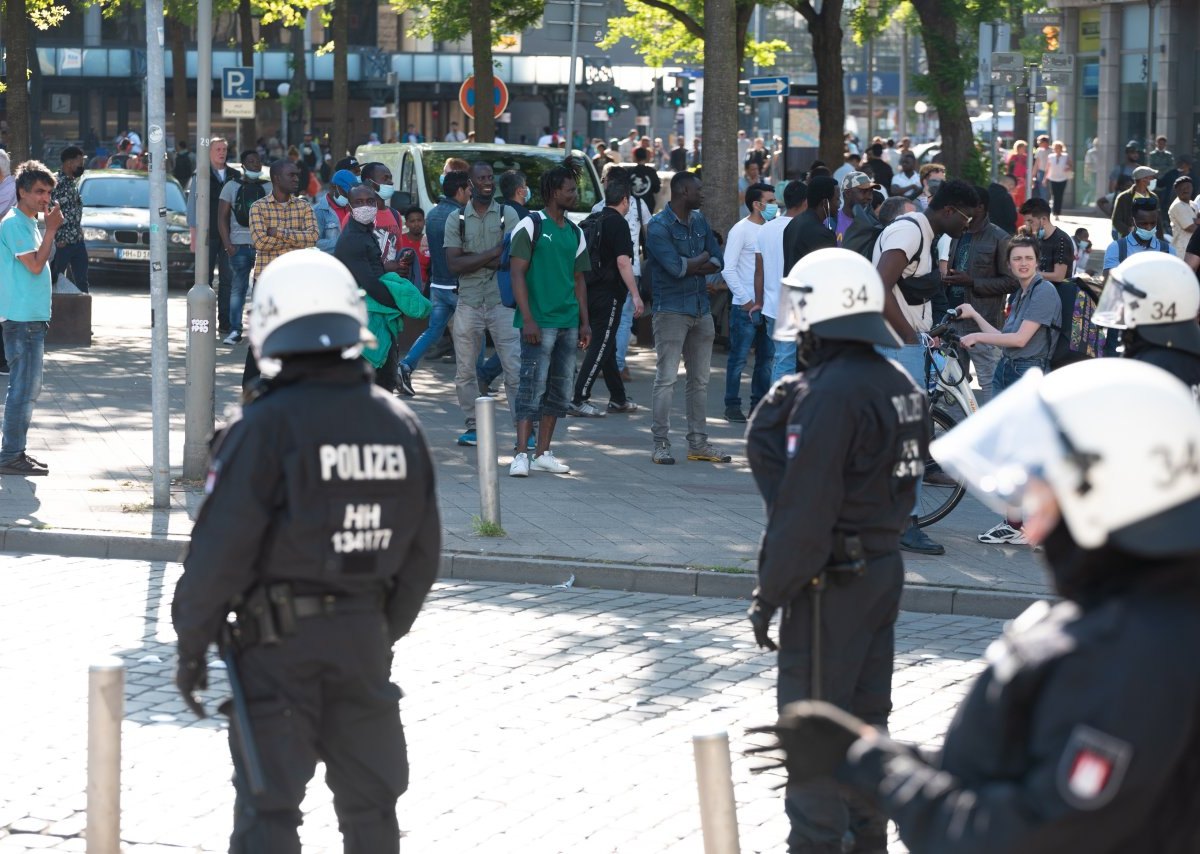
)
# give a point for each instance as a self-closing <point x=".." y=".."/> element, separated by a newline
<point x="283" y="89"/>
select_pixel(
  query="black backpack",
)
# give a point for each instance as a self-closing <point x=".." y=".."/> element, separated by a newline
<point x="601" y="271"/>
<point x="248" y="193"/>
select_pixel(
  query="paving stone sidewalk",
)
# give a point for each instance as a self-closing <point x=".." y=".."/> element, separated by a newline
<point x="93" y="426"/>
<point x="539" y="720"/>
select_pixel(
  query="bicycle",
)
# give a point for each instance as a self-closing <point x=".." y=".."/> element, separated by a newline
<point x="949" y="386"/>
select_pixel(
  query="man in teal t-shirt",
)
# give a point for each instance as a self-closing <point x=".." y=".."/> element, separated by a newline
<point x="552" y="315"/>
<point x="25" y="288"/>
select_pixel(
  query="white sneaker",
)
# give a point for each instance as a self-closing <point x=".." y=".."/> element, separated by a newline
<point x="519" y="466"/>
<point x="546" y="462"/>
<point x="586" y="410"/>
<point x="1003" y="533"/>
<point x="232" y="338"/>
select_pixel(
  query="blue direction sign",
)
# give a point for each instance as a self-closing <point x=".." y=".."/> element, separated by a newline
<point x="237" y="92"/>
<point x="767" y="87"/>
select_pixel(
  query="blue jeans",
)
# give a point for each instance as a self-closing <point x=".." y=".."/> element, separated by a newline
<point x="912" y="358"/>
<point x="24" y="346"/>
<point x="624" y="331"/>
<point x="241" y="263"/>
<point x="784" y="362"/>
<point x="744" y="333"/>
<point x="547" y="373"/>
<point x="445" y="301"/>
<point x="73" y="255"/>
<point x="1008" y="371"/>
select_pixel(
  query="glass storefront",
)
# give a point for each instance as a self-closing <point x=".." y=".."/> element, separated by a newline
<point x="1135" y="22"/>
<point x="1087" y="106"/>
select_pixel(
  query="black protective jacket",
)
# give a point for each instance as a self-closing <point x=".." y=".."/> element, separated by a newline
<point x="325" y="482"/>
<point x="838" y="448"/>
<point x="1181" y="364"/>
<point x="1083" y="735"/>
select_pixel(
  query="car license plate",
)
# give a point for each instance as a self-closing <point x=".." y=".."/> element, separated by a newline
<point x="133" y="254"/>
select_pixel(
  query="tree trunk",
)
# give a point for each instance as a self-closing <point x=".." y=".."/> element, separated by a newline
<point x="249" y="134"/>
<point x="826" y="31"/>
<point x="299" y="82"/>
<point x="36" y="141"/>
<point x="485" y="78"/>
<point x="721" y="167"/>
<point x="338" y="139"/>
<point x="16" y="25"/>
<point x="939" y="31"/>
<point x="180" y="102"/>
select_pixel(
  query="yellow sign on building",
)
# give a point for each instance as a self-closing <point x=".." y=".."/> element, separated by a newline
<point x="1089" y="30"/>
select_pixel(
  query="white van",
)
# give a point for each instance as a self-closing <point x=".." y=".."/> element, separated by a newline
<point x="417" y="170"/>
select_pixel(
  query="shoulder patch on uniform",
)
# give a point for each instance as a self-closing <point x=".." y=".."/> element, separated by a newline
<point x="794" y="432"/>
<point x="1092" y="768"/>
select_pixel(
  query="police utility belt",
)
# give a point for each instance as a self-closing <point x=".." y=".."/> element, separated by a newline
<point x="852" y="551"/>
<point x="269" y="612"/>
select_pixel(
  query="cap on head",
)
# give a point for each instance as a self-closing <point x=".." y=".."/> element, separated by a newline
<point x="346" y="163"/>
<point x="344" y="179"/>
<point x="1143" y="172"/>
<point x="858" y="181"/>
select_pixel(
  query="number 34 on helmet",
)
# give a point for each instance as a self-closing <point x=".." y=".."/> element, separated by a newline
<point x="834" y="294"/>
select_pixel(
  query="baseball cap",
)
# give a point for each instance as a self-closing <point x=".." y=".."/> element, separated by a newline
<point x="1132" y="145"/>
<point x="345" y="179"/>
<point x="858" y="180"/>
<point x="346" y="163"/>
<point x="1144" y="172"/>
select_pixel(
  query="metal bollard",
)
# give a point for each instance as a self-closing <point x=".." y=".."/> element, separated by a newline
<point x="714" y="779"/>
<point x="489" y="478"/>
<point x="106" y="709"/>
<point x="199" y="401"/>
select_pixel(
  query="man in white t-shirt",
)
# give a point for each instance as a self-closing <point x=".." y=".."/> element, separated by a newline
<point x="768" y="268"/>
<point x="907" y="181"/>
<point x="903" y="255"/>
<point x="1183" y="215"/>
<point x="746" y="326"/>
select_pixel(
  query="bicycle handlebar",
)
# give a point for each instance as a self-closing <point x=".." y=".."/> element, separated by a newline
<point x="943" y="329"/>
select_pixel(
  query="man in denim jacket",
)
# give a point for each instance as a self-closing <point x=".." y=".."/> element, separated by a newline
<point x="682" y="251"/>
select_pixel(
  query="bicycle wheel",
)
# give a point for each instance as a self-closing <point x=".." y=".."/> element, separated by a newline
<point x="940" y="493"/>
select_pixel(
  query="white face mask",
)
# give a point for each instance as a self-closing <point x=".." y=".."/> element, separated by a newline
<point x="364" y="214"/>
<point x="386" y="191"/>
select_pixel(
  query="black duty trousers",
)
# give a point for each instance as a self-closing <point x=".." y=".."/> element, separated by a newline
<point x="325" y="694"/>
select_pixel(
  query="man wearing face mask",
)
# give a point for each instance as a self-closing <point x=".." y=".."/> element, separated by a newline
<point x="70" y="250"/>
<point x="1122" y="212"/>
<point x="333" y="209"/>
<point x="1142" y="238"/>
<point x="933" y="175"/>
<point x="387" y="225"/>
<point x="746" y="325"/>
<point x="1081" y="735"/>
<point x="1056" y="250"/>
<point x="813" y="229"/>
<point x="514" y="187"/>
<point x="233" y="223"/>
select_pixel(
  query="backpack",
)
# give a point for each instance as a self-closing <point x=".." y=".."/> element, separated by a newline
<point x="504" y="272"/>
<point x="1123" y="248"/>
<point x="863" y="241"/>
<point x="601" y="271"/>
<point x="248" y="193"/>
<point x="918" y="290"/>
<point x="1078" y="338"/>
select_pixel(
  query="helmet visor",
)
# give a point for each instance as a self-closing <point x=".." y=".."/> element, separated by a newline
<point x="791" y="321"/>
<point x="1110" y="308"/>
<point x="999" y="450"/>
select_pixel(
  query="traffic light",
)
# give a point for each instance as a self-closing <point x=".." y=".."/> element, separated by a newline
<point x="677" y="96"/>
<point x="660" y="96"/>
<point x="685" y="89"/>
<point x="611" y="108"/>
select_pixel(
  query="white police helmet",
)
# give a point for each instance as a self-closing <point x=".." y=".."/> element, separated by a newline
<point x="307" y="302"/>
<point x="1116" y="440"/>
<point x="1158" y="295"/>
<point x="837" y="294"/>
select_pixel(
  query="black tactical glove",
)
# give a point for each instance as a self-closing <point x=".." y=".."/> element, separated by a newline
<point x="192" y="676"/>
<point x="760" y="614"/>
<point x="814" y="737"/>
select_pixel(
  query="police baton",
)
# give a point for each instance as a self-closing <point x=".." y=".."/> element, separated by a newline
<point x="815" y="591"/>
<point x="240" y="717"/>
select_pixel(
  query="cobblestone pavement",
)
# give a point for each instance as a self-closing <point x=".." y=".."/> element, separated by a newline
<point x="539" y="719"/>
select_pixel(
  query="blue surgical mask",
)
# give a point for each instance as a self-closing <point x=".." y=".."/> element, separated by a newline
<point x="252" y="175"/>
<point x="1041" y="235"/>
<point x="386" y="191"/>
<point x="1146" y="234"/>
<point x="770" y="211"/>
<point x="341" y="201"/>
<point x="528" y="195"/>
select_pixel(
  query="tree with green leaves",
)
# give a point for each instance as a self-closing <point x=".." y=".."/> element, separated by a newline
<point x="721" y="65"/>
<point x="19" y="17"/>
<point x="485" y="21"/>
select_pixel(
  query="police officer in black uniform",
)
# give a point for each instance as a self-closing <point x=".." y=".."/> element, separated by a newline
<point x="1083" y="734"/>
<point x="1153" y="298"/>
<point x="837" y="452"/>
<point x="321" y="534"/>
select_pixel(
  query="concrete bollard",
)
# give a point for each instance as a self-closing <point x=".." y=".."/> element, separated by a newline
<point x="199" y="401"/>
<point x="714" y="779"/>
<point x="106" y="709"/>
<point x="489" y="478"/>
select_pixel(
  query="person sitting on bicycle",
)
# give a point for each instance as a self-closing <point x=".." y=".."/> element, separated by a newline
<point x="1027" y="341"/>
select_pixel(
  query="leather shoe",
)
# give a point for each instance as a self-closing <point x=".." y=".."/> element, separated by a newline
<point x="916" y="540"/>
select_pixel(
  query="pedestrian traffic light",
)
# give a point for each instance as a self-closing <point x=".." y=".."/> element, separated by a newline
<point x="677" y="96"/>
<point x="611" y="108"/>
<point x="685" y="91"/>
